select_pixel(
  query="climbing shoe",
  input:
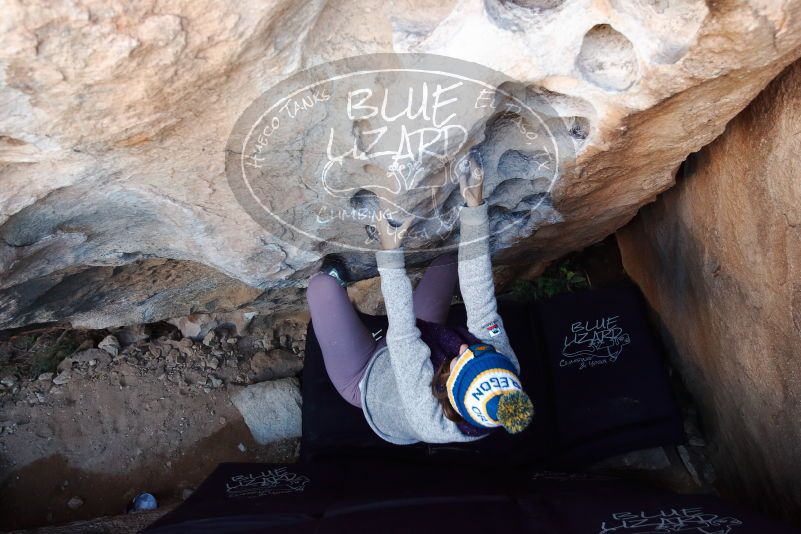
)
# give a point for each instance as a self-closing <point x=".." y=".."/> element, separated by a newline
<point x="335" y="267"/>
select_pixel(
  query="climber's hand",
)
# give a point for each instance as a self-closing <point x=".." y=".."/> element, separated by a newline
<point x="471" y="182"/>
<point x="390" y="233"/>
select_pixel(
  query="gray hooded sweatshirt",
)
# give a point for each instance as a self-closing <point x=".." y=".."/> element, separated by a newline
<point x="396" y="388"/>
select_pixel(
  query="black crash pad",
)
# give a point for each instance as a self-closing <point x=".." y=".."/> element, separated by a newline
<point x="386" y="496"/>
<point x="590" y="362"/>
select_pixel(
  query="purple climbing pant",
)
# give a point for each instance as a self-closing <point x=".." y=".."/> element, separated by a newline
<point x="347" y="344"/>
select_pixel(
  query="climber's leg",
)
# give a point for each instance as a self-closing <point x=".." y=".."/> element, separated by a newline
<point x="433" y="295"/>
<point x="346" y="343"/>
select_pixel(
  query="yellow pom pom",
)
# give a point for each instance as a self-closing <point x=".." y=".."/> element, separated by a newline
<point x="515" y="411"/>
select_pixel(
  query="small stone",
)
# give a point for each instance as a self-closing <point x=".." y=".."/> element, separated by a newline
<point x="242" y="447"/>
<point x="213" y="363"/>
<point x="215" y="382"/>
<point x="40" y="397"/>
<point x="8" y="380"/>
<point x="223" y="335"/>
<point x="132" y="334"/>
<point x="44" y="377"/>
<point x="62" y="378"/>
<point x="74" y="503"/>
<point x="231" y="341"/>
<point x="209" y="338"/>
<point x="272" y="410"/>
<point x="84" y="358"/>
<point x="111" y="345"/>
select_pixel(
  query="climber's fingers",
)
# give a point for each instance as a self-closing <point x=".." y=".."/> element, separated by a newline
<point x="471" y="184"/>
<point x="466" y="183"/>
<point x="391" y="233"/>
<point x="472" y="173"/>
<point x="476" y="167"/>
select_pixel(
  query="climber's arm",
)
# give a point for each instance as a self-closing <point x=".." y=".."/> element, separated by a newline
<point x="475" y="265"/>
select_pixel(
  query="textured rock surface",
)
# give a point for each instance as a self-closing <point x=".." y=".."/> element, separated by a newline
<point x="272" y="410"/>
<point x="719" y="258"/>
<point x="114" y="206"/>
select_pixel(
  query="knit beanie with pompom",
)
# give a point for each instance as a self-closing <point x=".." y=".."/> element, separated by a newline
<point x="486" y="391"/>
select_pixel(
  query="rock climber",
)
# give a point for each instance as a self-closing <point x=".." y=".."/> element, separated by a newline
<point x="425" y="381"/>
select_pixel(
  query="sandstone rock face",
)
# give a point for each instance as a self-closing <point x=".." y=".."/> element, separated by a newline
<point x="719" y="258"/>
<point x="114" y="116"/>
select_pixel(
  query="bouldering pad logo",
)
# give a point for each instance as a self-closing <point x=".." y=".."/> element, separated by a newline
<point x="593" y="343"/>
<point x="683" y="520"/>
<point x="270" y="482"/>
<point x="324" y="155"/>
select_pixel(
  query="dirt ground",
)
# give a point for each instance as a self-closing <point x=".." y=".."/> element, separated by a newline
<point x="82" y="431"/>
